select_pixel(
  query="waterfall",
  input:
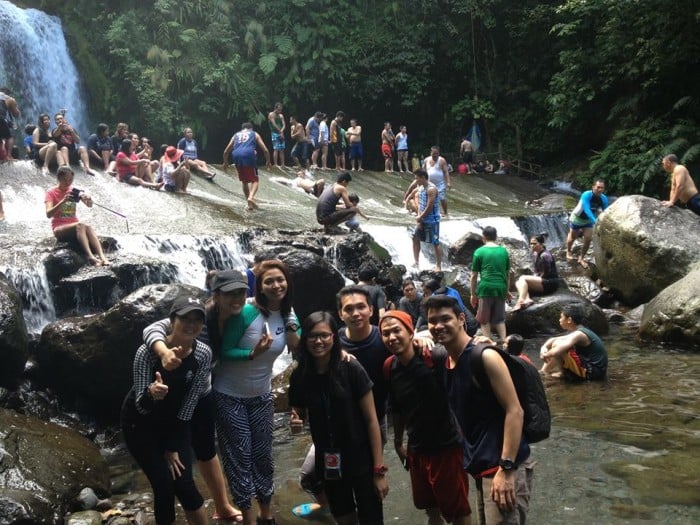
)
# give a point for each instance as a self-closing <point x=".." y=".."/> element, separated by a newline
<point x="36" y="66"/>
<point x="555" y="224"/>
<point x="175" y="259"/>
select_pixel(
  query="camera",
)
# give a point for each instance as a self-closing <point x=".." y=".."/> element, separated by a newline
<point x="75" y="194"/>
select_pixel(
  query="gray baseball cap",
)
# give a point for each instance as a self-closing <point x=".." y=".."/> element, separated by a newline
<point x="229" y="280"/>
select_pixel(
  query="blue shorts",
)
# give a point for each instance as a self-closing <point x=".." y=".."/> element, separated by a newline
<point x="356" y="151"/>
<point x="442" y="191"/>
<point x="428" y="232"/>
<point x="277" y="141"/>
<point x="693" y="204"/>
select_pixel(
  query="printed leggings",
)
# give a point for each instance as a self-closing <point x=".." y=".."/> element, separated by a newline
<point x="244" y="429"/>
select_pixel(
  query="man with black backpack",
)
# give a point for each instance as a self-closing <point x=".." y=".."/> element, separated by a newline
<point x="490" y="416"/>
<point x="434" y="453"/>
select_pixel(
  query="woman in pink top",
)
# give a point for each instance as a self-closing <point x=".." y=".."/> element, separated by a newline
<point x="127" y="164"/>
<point x="61" y="203"/>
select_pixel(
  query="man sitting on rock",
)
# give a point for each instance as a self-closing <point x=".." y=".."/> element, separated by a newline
<point x="683" y="188"/>
<point x="579" y="355"/>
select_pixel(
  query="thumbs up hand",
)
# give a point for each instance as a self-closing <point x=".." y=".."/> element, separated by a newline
<point x="158" y="389"/>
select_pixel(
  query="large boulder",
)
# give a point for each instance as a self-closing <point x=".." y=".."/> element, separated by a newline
<point x="642" y="247"/>
<point x="43" y="468"/>
<point x="542" y="317"/>
<point x="14" y="340"/>
<point x="673" y="316"/>
<point x="89" y="359"/>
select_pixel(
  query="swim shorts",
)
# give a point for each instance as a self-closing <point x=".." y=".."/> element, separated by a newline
<point x="386" y="151"/>
<point x="356" y="151"/>
<point x="277" y="141"/>
<point x="693" y="204"/>
<point x="247" y="173"/>
<point x="429" y="233"/>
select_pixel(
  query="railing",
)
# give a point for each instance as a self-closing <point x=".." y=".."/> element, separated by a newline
<point x="517" y="166"/>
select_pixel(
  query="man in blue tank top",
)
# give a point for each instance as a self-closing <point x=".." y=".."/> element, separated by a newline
<point x="244" y="155"/>
<point x="428" y="219"/>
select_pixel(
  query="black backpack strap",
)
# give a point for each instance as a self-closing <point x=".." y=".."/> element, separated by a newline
<point x="476" y="363"/>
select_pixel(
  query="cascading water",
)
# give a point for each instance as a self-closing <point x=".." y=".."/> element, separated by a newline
<point x="36" y="65"/>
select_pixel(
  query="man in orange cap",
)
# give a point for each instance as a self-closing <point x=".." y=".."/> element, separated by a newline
<point x="433" y="453"/>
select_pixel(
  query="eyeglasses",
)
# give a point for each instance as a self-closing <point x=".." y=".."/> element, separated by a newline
<point x="324" y="337"/>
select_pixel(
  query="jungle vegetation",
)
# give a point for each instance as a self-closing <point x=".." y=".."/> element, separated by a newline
<point x="614" y="82"/>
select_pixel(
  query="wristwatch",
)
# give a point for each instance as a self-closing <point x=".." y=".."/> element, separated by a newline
<point x="506" y="464"/>
<point x="380" y="470"/>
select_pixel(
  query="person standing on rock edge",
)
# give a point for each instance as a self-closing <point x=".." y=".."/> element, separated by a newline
<point x="580" y="354"/>
<point x="9" y="112"/>
<point x="277" y="124"/>
<point x="583" y="218"/>
<point x="683" y="188"/>
<point x="491" y="262"/>
<point x="243" y="153"/>
<point x="427" y="220"/>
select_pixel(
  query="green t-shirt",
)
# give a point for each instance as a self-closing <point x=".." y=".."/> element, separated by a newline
<point x="492" y="263"/>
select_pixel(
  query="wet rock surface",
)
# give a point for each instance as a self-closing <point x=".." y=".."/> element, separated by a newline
<point x="14" y="340"/>
<point x="43" y="468"/>
<point x="642" y="247"/>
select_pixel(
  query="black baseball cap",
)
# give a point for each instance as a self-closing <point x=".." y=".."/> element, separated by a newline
<point x="185" y="304"/>
<point x="229" y="280"/>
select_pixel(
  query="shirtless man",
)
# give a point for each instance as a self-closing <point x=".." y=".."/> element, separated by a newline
<point x="300" y="150"/>
<point x="277" y="126"/>
<point x="326" y="213"/>
<point x="354" y="136"/>
<point x="9" y="112"/>
<point x="683" y="188"/>
<point x="388" y="143"/>
<point x="336" y="140"/>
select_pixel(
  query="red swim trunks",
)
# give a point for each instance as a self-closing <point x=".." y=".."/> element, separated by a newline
<point x="247" y="173"/>
<point x="386" y="151"/>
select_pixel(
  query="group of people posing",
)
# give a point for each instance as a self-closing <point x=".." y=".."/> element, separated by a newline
<point x="347" y="378"/>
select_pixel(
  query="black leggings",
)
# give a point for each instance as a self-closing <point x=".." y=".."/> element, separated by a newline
<point x="146" y="446"/>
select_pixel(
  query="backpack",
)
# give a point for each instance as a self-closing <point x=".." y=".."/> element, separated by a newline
<point x="537" y="419"/>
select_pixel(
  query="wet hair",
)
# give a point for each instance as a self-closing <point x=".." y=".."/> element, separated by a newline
<point x="432" y="284"/>
<point x="671" y="158"/>
<point x="351" y="290"/>
<point x="436" y="302"/>
<point x="247" y="125"/>
<point x="367" y="271"/>
<point x="29" y="129"/>
<point x="63" y="170"/>
<point x="101" y="128"/>
<point x="421" y="173"/>
<point x="354" y="198"/>
<point x="125" y="146"/>
<point x="344" y="177"/>
<point x="489" y="233"/>
<point x="260" y="299"/>
<point x="42" y="117"/>
<point x="573" y="311"/>
<point x="515" y="344"/>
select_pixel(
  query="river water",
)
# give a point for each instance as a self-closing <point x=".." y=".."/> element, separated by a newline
<point x="623" y="452"/>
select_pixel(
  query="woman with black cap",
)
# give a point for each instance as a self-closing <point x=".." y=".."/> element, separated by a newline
<point x="157" y="410"/>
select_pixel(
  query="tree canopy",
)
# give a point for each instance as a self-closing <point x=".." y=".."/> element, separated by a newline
<point x="611" y="81"/>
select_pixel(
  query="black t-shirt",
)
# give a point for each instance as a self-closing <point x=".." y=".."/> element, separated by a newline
<point x="417" y="392"/>
<point x="335" y="416"/>
<point x="377" y="299"/>
<point x="371" y="353"/>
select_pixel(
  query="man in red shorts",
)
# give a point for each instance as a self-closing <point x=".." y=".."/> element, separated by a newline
<point x="433" y="454"/>
<point x="388" y="141"/>
<point x="243" y="153"/>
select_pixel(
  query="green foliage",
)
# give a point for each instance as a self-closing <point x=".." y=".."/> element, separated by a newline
<point x="547" y="79"/>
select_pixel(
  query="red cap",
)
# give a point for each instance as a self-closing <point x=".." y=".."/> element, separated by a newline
<point x="399" y="315"/>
